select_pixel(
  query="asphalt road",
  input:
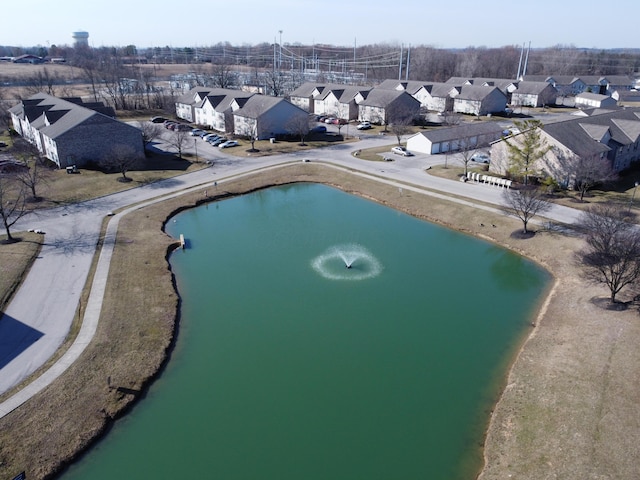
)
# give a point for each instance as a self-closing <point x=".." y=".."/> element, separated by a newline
<point x="39" y="317"/>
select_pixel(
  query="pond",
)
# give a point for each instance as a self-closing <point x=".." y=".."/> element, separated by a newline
<point x="290" y="365"/>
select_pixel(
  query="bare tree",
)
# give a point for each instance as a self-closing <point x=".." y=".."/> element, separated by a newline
<point x="41" y="81"/>
<point x="299" y="126"/>
<point x="249" y="129"/>
<point x="150" y="132"/>
<point x="591" y="171"/>
<point x="179" y="140"/>
<point x="526" y="148"/>
<point x="12" y="202"/>
<point x="466" y="146"/>
<point x="525" y="204"/>
<point x="35" y="172"/>
<point x="451" y="118"/>
<point x="612" y="254"/>
<point x="275" y="82"/>
<point x="121" y="159"/>
<point x="224" y="76"/>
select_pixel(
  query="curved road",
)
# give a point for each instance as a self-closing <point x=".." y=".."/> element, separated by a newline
<point x="40" y="315"/>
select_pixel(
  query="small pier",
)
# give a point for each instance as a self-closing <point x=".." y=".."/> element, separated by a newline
<point x="182" y="241"/>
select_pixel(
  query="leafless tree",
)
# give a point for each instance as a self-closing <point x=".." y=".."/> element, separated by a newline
<point x="275" y="82"/>
<point x="224" y="76"/>
<point x="179" y="140"/>
<point x="150" y="132"/>
<point x="41" y="81"/>
<point x="591" y="171"/>
<point x="120" y="159"/>
<point x="524" y="203"/>
<point x="299" y="126"/>
<point x="12" y="202"/>
<point x="35" y="173"/>
<point x="466" y="146"/>
<point x="451" y="118"/>
<point x="612" y="254"/>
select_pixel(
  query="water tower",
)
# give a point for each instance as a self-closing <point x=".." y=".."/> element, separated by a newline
<point x="81" y="39"/>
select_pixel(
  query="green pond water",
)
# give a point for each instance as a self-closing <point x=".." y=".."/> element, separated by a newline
<point x="288" y="365"/>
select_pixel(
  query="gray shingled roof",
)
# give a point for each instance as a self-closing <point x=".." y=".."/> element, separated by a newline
<point x="379" y="97"/>
<point x="257" y="105"/>
<point x="578" y="134"/>
<point x="532" y="88"/>
<point x="55" y="116"/>
<point x="306" y="89"/>
<point x="462" y="131"/>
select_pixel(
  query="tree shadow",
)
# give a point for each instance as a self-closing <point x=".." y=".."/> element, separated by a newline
<point x="605" y="304"/>
<point x="521" y="235"/>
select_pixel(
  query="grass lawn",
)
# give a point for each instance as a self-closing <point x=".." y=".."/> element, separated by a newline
<point x="61" y="188"/>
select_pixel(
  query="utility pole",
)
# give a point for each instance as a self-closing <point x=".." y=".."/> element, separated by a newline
<point x="280" y="59"/>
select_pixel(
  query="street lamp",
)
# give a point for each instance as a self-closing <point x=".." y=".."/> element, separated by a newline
<point x="635" y="187"/>
<point x="195" y="145"/>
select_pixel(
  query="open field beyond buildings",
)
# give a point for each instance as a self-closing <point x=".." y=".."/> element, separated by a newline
<point x="570" y="407"/>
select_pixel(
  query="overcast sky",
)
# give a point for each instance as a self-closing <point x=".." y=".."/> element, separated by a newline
<point x="455" y="24"/>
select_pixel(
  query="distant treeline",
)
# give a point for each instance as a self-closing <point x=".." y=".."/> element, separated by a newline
<point x="371" y="62"/>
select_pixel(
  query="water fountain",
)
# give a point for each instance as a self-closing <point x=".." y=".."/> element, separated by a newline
<point x="360" y="263"/>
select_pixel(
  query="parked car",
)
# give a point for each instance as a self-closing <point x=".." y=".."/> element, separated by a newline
<point x="480" y="157"/>
<point x="329" y="120"/>
<point x="158" y="119"/>
<point x="402" y="151"/>
<point x="210" y="137"/>
<point x="364" y="126"/>
<point x="319" y="129"/>
<point x="218" y="141"/>
<point x="196" y="132"/>
<point x="228" y="143"/>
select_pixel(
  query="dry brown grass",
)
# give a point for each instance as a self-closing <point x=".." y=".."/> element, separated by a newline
<point x="61" y="188"/>
<point x="16" y="259"/>
<point x="570" y="408"/>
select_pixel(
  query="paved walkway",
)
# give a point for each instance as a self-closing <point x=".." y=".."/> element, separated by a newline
<point x="40" y="316"/>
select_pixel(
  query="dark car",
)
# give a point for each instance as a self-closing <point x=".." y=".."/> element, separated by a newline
<point x="158" y="119"/>
<point x="319" y="129"/>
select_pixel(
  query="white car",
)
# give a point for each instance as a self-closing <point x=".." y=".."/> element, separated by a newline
<point x="228" y="143"/>
<point x="480" y="157"/>
<point x="402" y="151"/>
<point x="364" y="126"/>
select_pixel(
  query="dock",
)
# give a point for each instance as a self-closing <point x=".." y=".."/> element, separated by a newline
<point x="182" y="241"/>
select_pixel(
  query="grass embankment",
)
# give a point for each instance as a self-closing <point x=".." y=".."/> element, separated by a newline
<point x="568" y="408"/>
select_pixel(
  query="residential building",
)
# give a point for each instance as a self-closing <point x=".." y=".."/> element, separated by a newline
<point x="610" y="136"/>
<point x="71" y="132"/>
<point x="388" y="106"/>
<point x="534" y="94"/>
<point x="479" y="100"/>
<point x="216" y="109"/>
<point x="304" y="96"/>
<point x="340" y="101"/>
<point x="265" y="117"/>
<point x="434" y="97"/>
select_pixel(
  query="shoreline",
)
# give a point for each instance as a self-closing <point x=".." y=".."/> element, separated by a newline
<point x="116" y="402"/>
